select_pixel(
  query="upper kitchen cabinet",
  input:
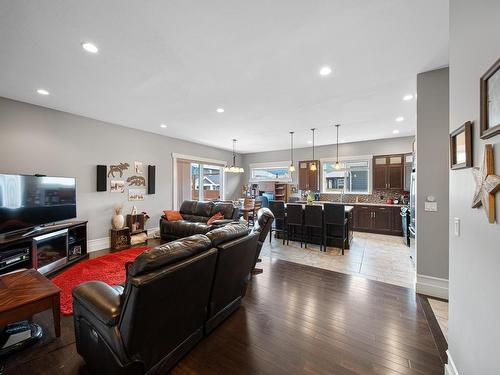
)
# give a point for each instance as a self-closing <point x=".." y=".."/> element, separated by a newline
<point x="308" y="179"/>
<point x="388" y="172"/>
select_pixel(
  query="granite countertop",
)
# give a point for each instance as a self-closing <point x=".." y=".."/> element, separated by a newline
<point x="357" y="203"/>
<point x="348" y="206"/>
<point x="376" y="204"/>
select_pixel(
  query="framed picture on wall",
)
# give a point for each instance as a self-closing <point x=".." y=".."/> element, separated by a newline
<point x="138" y="167"/>
<point x="490" y="101"/>
<point x="461" y="147"/>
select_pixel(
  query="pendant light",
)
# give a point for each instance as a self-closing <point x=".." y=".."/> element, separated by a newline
<point x="337" y="164"/>
<point x="234" y="168"/>
<point x="313" y="164"/>
<point x="291" y="168"/>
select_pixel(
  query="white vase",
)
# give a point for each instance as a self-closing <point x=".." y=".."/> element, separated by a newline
<point x="118" y="221"/>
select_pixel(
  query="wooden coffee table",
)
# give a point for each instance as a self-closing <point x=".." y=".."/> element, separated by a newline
<point x="25" y="293"/>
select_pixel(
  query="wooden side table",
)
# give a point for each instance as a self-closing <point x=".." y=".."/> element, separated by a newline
<point x="120" y="238"/>
<point x="25" y="293"/>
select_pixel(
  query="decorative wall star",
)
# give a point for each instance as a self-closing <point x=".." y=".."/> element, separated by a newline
<point x="487" y="184"/>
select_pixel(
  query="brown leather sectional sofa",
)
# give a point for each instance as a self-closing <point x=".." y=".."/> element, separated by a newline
<point x="196" y="215"/>
<point x="174" y="294"/>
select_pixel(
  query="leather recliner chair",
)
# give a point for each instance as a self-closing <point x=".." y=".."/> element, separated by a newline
<point x="173" y="294"/>
<point x="195" y="215"/>
<point x="234" y="264"/>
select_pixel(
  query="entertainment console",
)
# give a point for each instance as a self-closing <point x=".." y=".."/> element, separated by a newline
<point x="47" y="250"/>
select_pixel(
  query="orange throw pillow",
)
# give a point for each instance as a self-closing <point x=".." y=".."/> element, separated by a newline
<point x="217" y="216"/>
<point x="173" y="215"/>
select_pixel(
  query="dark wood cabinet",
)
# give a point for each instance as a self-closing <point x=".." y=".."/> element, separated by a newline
<point x="382" y="220"/>
<point x="388" y="172"/>
<point x="377" y="219"/>
<point x="397" y="224"/>
<point x="395" y="177"/>
<point x="308" y="179"/>
<point x="281" y="191"/>
<point x="379" y="178"/>
<point x="363" y="217"/>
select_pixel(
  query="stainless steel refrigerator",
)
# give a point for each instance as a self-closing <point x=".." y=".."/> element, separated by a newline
<point x="413" y="209"/>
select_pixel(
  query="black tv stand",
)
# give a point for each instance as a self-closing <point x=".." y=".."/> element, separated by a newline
<point x="15" y="247"/>
<point x="40" y="228"/>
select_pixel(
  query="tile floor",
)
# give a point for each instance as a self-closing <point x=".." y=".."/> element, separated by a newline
<point x="440" y="309"/>
<point x="372" y="256"/>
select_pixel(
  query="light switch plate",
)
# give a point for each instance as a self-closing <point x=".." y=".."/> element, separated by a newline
<point x="431" y="206"/>
<point x="456" y="226"/>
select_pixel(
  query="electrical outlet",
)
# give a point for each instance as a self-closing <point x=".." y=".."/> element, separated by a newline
<point x="431" y="206"/>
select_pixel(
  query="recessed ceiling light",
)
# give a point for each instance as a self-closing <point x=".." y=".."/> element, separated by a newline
<point x="43" y="92"/>
<point x="407" y="97"/>
<point x="90" y="47"/>
<point x="163" y="126"/>
<point x="395" y="131"/>
<point x="310" y="142"/>
<point x="400" y="119"/>
<point x="324" y="71"/>
<point x="220" y="110"/>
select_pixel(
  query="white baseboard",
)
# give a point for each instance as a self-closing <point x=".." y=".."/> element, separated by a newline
<point x="450" y="368"/>
<point x="105" y="242"/>
<point x="98" y="244"/>
<point x="432" y="286"/>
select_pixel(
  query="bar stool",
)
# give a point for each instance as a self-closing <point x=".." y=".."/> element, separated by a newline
<point x="279" y="224"/>
<point x="334" y="217"/>
<point x="313" y="218"/>
<point x="294" y="219"/>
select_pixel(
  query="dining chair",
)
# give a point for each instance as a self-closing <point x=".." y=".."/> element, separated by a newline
<point x="257" y="205"/>
<point x="313" y="219"/>
<point x="279" y="223"/>
<point x="335" y="223"/>
<point x="294" y="220"/>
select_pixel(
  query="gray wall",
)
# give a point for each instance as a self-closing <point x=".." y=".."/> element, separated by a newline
<point x="40" y="140"/>
<point x="375" y="147"/>
<point x="432" y="173"/>
<point x="474" y="327"/>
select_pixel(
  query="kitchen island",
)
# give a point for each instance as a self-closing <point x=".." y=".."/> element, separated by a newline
<point x="317" y="233"/>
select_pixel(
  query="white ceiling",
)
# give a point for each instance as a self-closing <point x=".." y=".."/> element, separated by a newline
<point x="176" y="62"/>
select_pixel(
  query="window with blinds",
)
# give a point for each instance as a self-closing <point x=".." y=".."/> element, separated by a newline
<point x="353" y="177"/>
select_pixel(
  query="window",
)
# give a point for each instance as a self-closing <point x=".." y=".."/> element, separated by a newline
<point x="270" y="172"/>
<point x="210" y="175"/>
<point x="197" y="179"/>
<point x="353" y="177"/>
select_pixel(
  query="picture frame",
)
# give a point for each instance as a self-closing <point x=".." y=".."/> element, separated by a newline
<point x="461" y="147"/>
<point x="117" y="186"/>
<point x="138" y="167"/>
<point x="490" y="102"/>
<point x="136" y="194"/>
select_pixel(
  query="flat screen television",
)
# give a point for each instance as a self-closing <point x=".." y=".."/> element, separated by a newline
<point x="31" y="201"/>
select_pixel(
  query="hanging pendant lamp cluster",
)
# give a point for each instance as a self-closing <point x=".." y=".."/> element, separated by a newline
<point x="337" y="164"/>
<point x="313" y="164"/>
<point x="291" y="168"/>
<point x="234" y="168"/>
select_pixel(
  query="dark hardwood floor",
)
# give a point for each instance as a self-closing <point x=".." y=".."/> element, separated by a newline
<point x="295" y="319"/>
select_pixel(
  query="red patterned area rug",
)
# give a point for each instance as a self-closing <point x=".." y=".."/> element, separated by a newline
<point x="109" y="268"/>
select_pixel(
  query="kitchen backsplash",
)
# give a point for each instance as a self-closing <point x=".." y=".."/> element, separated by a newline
<point x="377" y="196"/>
